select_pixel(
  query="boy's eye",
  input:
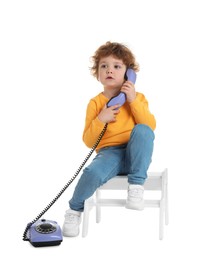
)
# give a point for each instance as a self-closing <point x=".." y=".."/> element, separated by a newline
<point x="103" y="66"/>
<point x="117" y="66"/>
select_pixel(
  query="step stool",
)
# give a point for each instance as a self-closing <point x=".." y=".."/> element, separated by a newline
<point x="156" y="181"/>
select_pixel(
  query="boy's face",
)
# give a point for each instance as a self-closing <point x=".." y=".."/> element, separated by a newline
<point x="111" y="72"/>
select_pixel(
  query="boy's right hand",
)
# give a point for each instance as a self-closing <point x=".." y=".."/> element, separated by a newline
<point x="108" y="114"/>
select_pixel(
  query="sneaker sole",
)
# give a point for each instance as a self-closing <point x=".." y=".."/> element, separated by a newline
<point x="70" y="233"/>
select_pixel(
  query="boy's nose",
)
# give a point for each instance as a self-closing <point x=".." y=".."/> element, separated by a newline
<point x="109" y="71"/>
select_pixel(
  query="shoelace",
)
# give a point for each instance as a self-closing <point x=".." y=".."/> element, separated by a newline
<point x="136" y="193"/>
<point x="71" y="219"/>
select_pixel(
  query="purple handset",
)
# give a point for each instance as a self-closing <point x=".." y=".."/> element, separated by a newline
<point x="121" y="97"/>
<point x="131" y="75"/>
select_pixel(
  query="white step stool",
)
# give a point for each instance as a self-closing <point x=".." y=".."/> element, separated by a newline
<point x="156" y="181"/>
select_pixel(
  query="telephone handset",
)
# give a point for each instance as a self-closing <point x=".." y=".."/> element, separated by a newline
<point x="121" y="97"/>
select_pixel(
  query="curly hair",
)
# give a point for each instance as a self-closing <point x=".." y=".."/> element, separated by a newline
<point x="117" y="50"/>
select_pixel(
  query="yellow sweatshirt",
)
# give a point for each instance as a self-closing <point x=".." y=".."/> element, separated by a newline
<point x="136" y="112"/>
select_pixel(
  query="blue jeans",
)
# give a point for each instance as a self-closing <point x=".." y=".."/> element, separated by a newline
<point x="132" y="159"/>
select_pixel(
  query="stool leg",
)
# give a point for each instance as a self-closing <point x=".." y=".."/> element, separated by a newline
<point x="98" y="208"/>
<point x="166" y="200"/>
<point x="88" y="205"/>
<point x="166" y="212"/>
<point x="85" y="220"/>
<point x="161" y="219"/>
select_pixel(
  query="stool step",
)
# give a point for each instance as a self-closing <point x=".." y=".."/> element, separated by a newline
<point x="153" y="182"/>
<point x="122" y="203"/>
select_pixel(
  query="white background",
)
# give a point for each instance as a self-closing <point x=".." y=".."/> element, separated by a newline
<point x="45" y="85"/>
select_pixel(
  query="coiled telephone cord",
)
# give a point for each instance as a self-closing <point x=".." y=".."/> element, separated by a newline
<point x="25" y="238"/>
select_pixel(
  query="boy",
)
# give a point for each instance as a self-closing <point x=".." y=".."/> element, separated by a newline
<point x="127" y="144"/>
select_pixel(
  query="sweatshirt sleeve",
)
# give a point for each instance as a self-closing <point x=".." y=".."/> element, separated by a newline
<point x="93" y="126"/>
<point x="140" y="111"/>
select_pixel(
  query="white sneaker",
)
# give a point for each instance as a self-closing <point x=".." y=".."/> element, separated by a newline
<point x="135" y="197"/>
<point x="71" y="224"/>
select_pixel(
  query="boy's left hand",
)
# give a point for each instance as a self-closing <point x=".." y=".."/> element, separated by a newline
<point x="129" y="89"/>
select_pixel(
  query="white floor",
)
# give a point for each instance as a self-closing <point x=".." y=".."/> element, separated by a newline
<point x="45" y="86"/>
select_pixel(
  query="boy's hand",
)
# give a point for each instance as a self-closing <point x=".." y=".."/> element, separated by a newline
<point x="108" y="114"/>
<point x="129" y="89"/>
